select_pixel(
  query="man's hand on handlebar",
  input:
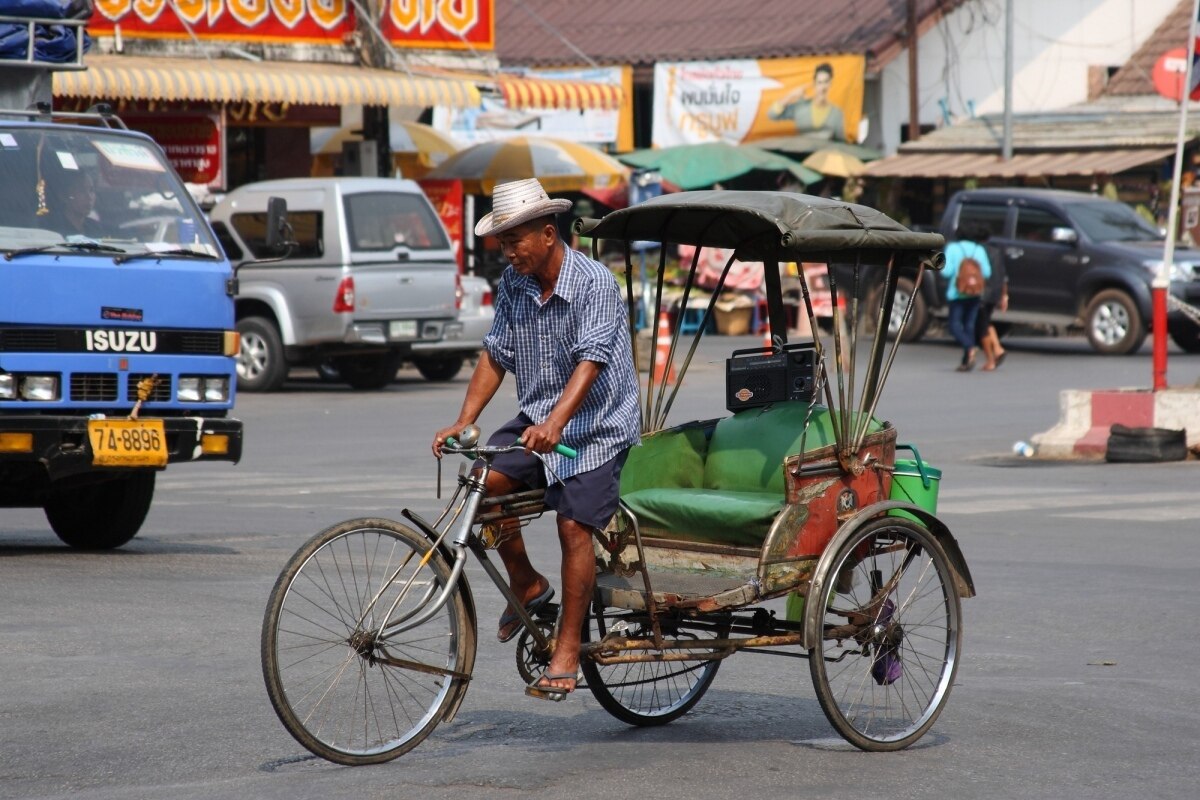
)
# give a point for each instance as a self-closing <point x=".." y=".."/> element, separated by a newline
<point x="441" y="436"/>
<point x="541" y="438"/>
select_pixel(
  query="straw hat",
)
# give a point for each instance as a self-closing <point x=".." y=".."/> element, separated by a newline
<point x="516" y="202"/>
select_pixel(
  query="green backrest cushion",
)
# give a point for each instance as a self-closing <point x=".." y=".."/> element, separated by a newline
<point x="747" y="450"/>
<point x="668" y="459"/>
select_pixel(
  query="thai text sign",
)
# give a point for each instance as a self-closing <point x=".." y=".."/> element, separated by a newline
<point x="192" y="142"/>
<point x="453" y="24"/>
<point x="447" y="198"/>
<point x="746" y="99"/>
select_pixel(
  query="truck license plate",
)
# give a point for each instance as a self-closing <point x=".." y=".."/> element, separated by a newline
<point x="402" y="329"/>
<point x="128" y="442"/>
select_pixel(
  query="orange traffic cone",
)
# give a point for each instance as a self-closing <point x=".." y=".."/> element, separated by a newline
<point x="767" y="337"/>
<point x="664" y="370"/>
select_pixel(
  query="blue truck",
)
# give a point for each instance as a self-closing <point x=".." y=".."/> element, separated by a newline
<point x="117" y="336"/>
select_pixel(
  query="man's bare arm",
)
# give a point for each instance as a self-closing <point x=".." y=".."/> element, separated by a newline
<point x="485" y="380"/>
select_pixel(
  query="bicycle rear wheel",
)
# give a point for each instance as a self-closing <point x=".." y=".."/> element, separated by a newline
<point x="892" y="632"/>
<point x="346" y="690"/>
<point x="649" y="693"/>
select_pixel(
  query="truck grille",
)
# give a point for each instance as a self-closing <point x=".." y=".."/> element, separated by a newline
<point x="201" y="342"/>
<point x="31" y="340"/>
<point x="93" y="386"/>
<point x="160" y="394"/>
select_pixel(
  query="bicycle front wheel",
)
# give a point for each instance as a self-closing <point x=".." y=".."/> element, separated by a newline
<point x="349" y="676"/>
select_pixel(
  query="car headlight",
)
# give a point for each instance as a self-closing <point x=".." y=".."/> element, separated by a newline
<point x="1178" y="272"/>
<point x="8" y="387"/>
<point x="39" y="387"/>
<point x="189" y="390"/>
<point x="216" y="389"/>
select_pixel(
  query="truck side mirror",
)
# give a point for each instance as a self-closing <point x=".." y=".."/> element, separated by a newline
<point x="1064" y="235"/>
<point x="279" y="233"/>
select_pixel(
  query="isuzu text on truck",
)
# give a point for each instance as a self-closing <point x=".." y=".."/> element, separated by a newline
<point x="117" y="339"/>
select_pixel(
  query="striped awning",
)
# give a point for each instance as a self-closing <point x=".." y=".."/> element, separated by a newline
<point x="528" y="92"/>
<point x="950" y="164"/>
<point x="236" y="80"/>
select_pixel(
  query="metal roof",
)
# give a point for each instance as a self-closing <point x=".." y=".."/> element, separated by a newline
<point x="990" y="165"/>
<point x="561" y="32"/>
<point x="1113" y="122"/>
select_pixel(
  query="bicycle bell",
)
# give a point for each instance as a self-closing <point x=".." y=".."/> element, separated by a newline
<point x="468" y="437"/>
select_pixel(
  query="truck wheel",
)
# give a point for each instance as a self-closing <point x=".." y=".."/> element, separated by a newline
<point x="368" y="372"/>
<point x="443" y="368"/>
<point x="1186" y="334"/>
<point x="1113" y="323"/>
<point x="101" y="516"/>
<point x="918" y="321"/>
<point x="261" y="366"/>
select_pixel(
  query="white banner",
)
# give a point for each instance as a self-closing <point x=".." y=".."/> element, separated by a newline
<point x="495" y="120"/>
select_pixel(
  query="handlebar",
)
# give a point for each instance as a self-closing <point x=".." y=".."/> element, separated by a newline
<point x="561" y="449"/>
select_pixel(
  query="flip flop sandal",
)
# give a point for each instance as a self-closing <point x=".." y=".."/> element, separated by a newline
<point x="536" y="689"/>
<point x="509" y="619"/>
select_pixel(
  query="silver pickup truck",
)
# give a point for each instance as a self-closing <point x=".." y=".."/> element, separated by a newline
<point x="370" y="274"/>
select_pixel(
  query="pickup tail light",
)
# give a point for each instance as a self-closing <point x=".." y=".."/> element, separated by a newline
<point x="343" y="300"/>
<point x="486" y="300"/>
<point x="458" y="292"/>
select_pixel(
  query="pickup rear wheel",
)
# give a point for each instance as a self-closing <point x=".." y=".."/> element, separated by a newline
<point x="1113" y="323"/>
<point x="919" y="318"/>
<point x="441" y="368"/>
<point x="368" y="372"/>
<point x="261" y="364"/>
<point x="101" y="516"/>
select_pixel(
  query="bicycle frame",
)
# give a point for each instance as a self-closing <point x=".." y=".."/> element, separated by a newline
<point x="458" y="527"/>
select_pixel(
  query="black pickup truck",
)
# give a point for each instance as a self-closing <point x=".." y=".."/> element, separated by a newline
<point x="1074" y="261"/>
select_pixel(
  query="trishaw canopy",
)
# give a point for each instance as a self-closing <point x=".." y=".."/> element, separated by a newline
<point x="763" y="226"/>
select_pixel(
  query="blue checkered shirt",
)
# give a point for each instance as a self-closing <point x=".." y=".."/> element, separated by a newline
<point x="541" y="343"/>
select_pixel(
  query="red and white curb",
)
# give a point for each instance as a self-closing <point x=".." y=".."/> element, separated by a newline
<point x="1087" y="415"/>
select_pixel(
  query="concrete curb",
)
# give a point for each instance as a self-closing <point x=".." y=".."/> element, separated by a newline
<point x="1086" y="416"/>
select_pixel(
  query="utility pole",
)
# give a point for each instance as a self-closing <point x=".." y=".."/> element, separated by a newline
<point x="914" y="90"/>
<point x="1007" y="152"/>
<point x="1162" y="279"/>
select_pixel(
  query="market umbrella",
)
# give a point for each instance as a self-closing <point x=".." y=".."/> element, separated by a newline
<point x="803" y="144"/>
<point x="834" y="163"/>
<point x="560" y="165"/>
<point x="696" y="166"/>
<point x="416" y="147"/>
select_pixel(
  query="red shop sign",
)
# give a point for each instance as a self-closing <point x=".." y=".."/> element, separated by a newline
<point x="194" y="143"/>
<point x="447" y="199"/>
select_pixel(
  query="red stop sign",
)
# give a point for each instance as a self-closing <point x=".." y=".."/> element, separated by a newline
<point x="1170" y="71"/>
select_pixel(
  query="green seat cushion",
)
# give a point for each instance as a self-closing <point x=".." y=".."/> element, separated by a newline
<point x="747" y="450"/>
<point x="735" y="518"/>
<point x="672" y="458"/>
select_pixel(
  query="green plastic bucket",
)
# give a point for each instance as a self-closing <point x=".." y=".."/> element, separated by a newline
<point x="914" y="481"/>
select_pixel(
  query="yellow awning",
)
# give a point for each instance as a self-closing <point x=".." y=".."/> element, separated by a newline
<point x="236" y="80"/>
<point x="528" y="92"/>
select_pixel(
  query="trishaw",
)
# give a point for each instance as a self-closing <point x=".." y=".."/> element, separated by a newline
<point x="369" y="638"/>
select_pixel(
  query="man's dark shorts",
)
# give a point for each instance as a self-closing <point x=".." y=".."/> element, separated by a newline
<point x="589" y="498"/>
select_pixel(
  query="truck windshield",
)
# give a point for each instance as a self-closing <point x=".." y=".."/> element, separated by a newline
<point x="1107" y="221"/>
<point x="67" y="185"/>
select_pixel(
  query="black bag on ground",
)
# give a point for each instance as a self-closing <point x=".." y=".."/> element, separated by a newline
<point x="1144" y="445"/>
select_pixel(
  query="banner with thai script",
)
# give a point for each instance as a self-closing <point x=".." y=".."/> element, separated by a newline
<point x="194" y="143"/>
<point x="746" y="99"/>
<point x="442" y="24"/>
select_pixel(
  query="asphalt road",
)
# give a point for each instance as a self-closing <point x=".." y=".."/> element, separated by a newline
<point x="135" y="673"/>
